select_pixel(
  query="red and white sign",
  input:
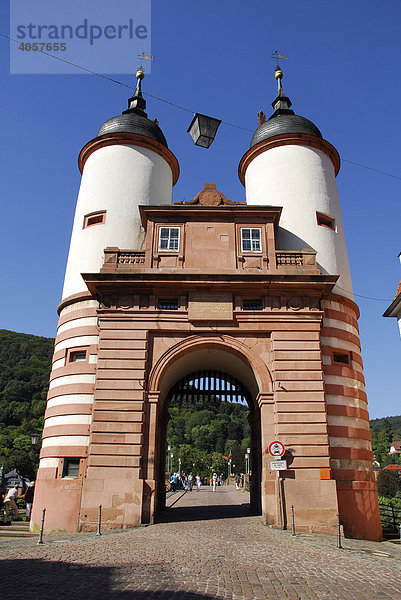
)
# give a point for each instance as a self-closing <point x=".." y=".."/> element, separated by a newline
<point x="276" y="448"/>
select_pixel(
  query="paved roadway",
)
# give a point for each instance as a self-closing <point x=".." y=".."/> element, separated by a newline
<point x="206" y="547"/>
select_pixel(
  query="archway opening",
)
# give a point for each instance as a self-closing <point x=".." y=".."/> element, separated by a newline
<point x="209" y="422"/>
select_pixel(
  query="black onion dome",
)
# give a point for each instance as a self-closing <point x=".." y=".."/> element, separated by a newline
<point x="135" y="119"/>
<point x="134" y="123"/>
<point x="277" y="125"/>
<point x="283" y="120"/>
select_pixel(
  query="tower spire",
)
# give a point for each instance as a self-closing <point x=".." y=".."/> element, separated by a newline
<point x="137" y="103"/>
<point x="282" y="103"/>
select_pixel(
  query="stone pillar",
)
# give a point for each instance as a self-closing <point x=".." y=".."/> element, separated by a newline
<point x="149" y="456"/>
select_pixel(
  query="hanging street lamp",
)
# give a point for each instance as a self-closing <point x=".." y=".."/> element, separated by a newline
<point x="203" y="130"/>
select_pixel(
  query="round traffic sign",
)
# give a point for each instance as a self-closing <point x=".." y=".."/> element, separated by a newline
<point x="276" y="448"/>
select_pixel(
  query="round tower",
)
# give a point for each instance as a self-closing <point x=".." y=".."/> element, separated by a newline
<point x="126" y="165"/>
<point x="289" y="164"/>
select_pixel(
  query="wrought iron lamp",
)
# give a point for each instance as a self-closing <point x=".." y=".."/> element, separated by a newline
<point x="203" y="130"/>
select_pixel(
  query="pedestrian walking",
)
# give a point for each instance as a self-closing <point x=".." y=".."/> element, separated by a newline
<point x="190" y="481"/>
<point x="174" y="480"/>
<point x="214" y="481"/>
<point x="9" y="502"/>
<point x="28" y="497"/>
<point x="198" y="482"/>
<point x="237" y="481"/>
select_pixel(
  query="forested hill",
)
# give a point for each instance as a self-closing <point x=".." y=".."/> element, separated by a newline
<point x="199" y="434"/>
<point x="24" y="378"/>
<point x="395" y="422"/>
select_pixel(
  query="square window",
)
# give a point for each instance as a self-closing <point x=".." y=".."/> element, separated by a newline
<point x="77" y="356"/>
<point x="251" y="239"/>
<point x="343" y="358"/>
<point x="168" y="304"/>
<point x="96" y="218"/>
<point x="71" y="467"/>
<point x="326" y="221"/>
<point x="169" y="239"/>
<point x="252" y="304"/>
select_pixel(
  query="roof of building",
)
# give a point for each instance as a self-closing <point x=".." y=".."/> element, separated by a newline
<point x="283" y="120"/>
<point x="394" y="310"/>
<point x="396" y="445"/>
<point x="392" y="468"/>
<point x="135" y="119"/>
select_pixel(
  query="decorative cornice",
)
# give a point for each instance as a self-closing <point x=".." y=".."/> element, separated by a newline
<point x="288" y="139"/>
<point x="134" y="139"/>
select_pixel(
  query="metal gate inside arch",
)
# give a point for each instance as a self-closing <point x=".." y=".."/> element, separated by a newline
<point x="209" y="385"/>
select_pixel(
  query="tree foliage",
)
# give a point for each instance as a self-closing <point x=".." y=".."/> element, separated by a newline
<point x="384" y="432"/>
<point x="24" y="378"/>
<point x="388" y="483"/>
<point x="202" y="431"/>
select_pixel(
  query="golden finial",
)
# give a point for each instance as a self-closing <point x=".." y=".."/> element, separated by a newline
<point x="140" y="74"/>
<point x="278" y="74"/>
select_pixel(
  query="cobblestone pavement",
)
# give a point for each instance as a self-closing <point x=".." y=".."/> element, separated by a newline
<point x="202" y="550"/>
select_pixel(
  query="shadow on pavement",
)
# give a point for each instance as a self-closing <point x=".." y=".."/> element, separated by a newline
<point x="48" y="580"/>
<point x="203" y="513"/>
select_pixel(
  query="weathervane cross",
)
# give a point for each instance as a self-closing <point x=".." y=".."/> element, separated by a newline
<point x="277" y="56"/>
<point x="143" y="57"/>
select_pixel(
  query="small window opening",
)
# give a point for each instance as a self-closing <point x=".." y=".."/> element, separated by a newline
<point x="71" y="467"/>
<point x="251" y="239"/>
<point x="342" y="357"/>
<point x="326" y="221"/>
<point x="169" y="239"/>
<point x="252" y="304"/>
<point x="168" y="304"/>
<point x="78" y="356"/>
<point x="94" y="218"/>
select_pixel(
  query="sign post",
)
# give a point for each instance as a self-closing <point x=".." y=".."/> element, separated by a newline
<point x="277" y="449"/>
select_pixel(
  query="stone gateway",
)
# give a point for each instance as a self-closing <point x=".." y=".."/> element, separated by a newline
<point x="258" y="291"/>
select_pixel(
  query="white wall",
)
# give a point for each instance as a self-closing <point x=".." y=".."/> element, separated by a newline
<point x="116" y="179"/>
<point x="302" y="181"/>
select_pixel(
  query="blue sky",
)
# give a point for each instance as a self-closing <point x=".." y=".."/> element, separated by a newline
<point x="213" y="57"/>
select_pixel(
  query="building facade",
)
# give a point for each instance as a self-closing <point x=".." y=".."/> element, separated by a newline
<point x="259" y="291"/>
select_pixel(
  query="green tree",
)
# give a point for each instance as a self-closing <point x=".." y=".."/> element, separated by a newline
<point x="388" y="483"/>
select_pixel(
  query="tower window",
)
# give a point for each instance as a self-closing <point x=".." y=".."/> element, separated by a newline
<point x="251" y="240"/>
<point x="96" y="218"/>
<point x="75" y="355"/>
<point x="71" y="467"/>
<point x="326" y="221"/>
<point x="169" y="239"/>
<point x="343" y="358"/>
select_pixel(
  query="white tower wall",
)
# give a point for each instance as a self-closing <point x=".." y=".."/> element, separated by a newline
<point x="115" y="179"/>
<point x="302" y="180"/>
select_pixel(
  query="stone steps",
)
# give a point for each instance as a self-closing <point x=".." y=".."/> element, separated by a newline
<point x="16" y="529"/>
